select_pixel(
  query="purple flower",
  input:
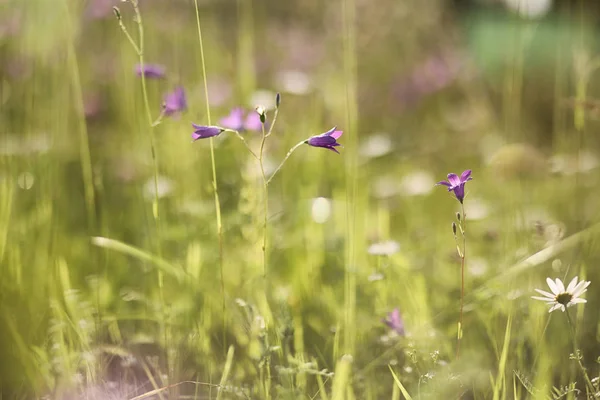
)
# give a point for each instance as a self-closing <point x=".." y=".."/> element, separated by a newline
<point x="394" y="322"/>
<point x="240" y="120"/>
<point x="150" y="70"/>
<point x="327" y="140"/>
<point x="457" y="184"/>
<point x="100" y="8"/>
<point x="203" y="131"/>
<point x="175" y="101"/>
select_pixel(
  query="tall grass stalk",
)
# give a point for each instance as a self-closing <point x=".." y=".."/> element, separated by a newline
<point x="351" y="171"/>
<point x="578" y="357"/>
<point x="214" y="171"/>
<point x="84" y="146"/>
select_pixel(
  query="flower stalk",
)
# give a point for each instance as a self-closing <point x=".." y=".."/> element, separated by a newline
<point x="456" y="185"/>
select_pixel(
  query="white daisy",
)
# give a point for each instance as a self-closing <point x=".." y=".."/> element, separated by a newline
<point x="561" y="298"/>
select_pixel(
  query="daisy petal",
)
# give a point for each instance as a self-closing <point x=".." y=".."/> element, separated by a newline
<point x="577" y="301"/>
<point x="543" y="299"/>
<point x="544" y="293"/>
<point x="547" y="300"/>
<point x="560" y="285"/>
<point x="581" y="288"/>
<point x="572" y="285"/>
<point x="552" y="286"/>
<point x="556" y="306"/>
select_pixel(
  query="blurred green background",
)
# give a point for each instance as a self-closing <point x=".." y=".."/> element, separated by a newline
<point x="101" y="300"/>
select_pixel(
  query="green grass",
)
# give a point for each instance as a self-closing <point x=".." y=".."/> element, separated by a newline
<point x="111" y="290"/>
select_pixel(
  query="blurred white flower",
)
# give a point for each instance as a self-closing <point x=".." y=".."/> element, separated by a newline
<point x="529" y="8"/>
<point x="321" y="210"/>
<point x="376" y="145"/>
<point x="417" y="183"/>
<point x="164" y="185"/>
<point x="386" y="248"/>
<point x="561" y="298"/>
<point x="375" y="277"/>
<point x="25" y="180"/>
<point x="265" y="98"/>
<point x="478" y="266"/>
<point x="571" y="164"/>
<point x="387" y="186"/>
<point x="476" y="209"/>
<point x="295" y="82"/>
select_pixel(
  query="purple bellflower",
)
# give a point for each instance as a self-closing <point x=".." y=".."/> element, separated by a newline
<point x="327" y="140"/>
<point x="175" y="101"/>
<point x="203" y="131"/>
<point x="155" y="71"/>
<point x="240" y="120"/>
<point x="456" y="184"/>
<point x="395" y="322"/>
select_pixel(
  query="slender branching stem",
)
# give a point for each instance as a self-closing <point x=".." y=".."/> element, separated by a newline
<point x="140" y="48"/>
<point x="243" y="141"/>
<point x="273" y="123"/>
<point x="128" y="36"/>
<point x="285" y="159"/>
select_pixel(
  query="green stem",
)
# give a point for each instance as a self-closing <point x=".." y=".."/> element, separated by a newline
<point x="285" y="159"/>
<point x="273" y="123"/>
<point x="462" y="225"/>
<point x="589" y="385"/>
<point x="266" y="198"/>
<point x="243" y="141"/>
<point x="214" y="168"/>
<point x="128" y="36"/>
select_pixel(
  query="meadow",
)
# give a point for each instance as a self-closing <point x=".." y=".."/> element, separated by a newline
<point x="244" y="199"/>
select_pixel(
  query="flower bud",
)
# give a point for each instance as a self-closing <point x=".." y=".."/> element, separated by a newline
<point x="262" y="113"/>
<point x="117" y="12"/>
<point x="277" y="100"/>
<point x="454" y="228"/>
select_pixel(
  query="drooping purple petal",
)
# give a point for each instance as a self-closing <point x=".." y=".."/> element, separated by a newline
<point x="203" y="132"/>
<point x="235" y="119"/>
<point x="445" y="183"/>
<point x="175" y="101"/>
<point x="459" y="192"/>
<point x="322" y="141"/>
<point x="329" y="132"/>
<point x="394" y="321"/>
<point x="252" y="122"/>
<point x="155" y="71"/>
<point x="336" y="134"/>
<point x="327" y="140"/>
<point x="466" y="176"/>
